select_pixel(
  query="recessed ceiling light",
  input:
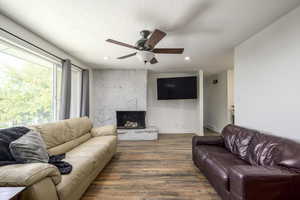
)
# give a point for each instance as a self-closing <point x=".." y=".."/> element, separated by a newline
<point x="187" y="58"/>
<point x="105" y="58"/>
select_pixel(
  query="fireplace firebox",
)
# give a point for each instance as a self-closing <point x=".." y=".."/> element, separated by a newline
<point x="131" y="119"/>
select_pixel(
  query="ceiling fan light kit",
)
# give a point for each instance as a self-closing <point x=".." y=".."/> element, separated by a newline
<point x="145" y="56"/>
<point x="145" y="46"/>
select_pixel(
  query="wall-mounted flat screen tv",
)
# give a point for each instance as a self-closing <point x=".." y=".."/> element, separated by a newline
<point x="177" y="88"/>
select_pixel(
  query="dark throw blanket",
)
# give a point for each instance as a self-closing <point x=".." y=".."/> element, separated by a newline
<point x="6" y="137"/>
<point x="63" y="166"/>
<point x="6" y="158"/>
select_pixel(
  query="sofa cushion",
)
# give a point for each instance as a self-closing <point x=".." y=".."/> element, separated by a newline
<point x="79" y="126"/>
<point x="60" y="132"/>
<point x="264" y="150"/>
<point x="82" y="167"/>
<point x="85" y="159"/>
<point x="104" y="131"/>
<point x="237" y="140"/>
<point x="65" y="147"/>
<point x="95" y="148"/>
<point x="201" y="152"/>
<point x="218" y="166"/>
<point x="290" y="155"/>
<point x="215" y="162"/>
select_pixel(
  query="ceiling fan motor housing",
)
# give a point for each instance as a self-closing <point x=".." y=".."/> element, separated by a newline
<point x="145" y="56"/>
<point x="145" y="33"/>
<point x="141" y="43"/>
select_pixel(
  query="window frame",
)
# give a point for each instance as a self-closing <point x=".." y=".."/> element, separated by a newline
<point x="55" y="68"/>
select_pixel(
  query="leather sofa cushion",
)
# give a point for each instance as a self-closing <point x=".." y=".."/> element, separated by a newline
<point x="218" y="165"/>
<point x="204" y="150"/>
<point x="264" y="150"/>
<point x="95" y="148"/>
<point x="65" y="147"/>
<point x="290" y="155"/>
<point x="237" y="140"/>
<point x="104" y="131"/>
<point x="201" y="152"/>
<point x="82" y="167"/>
<point x="216" y="161"/>
<point x="85" y="158"/>
<point x="60" y="132"/>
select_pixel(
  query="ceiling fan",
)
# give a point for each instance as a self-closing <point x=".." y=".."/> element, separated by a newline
<point x="145" y="46"/>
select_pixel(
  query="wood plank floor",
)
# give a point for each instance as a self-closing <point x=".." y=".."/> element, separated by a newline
<point x="152" y="170"/>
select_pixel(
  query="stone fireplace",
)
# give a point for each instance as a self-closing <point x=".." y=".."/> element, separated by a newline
<point x="121" y="97"/>
<point x="131" y="119"/>
<point x="132" y="126"/>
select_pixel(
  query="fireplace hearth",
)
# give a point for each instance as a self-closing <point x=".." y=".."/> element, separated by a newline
<point x="131" y="119"/>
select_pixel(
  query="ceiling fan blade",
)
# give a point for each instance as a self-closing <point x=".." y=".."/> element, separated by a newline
<point x="121" y="43"/>
<point x="168" y="50"/>
<point x="153" y="61"/>
<point x="156" y="36"/>
<point x="126" y="56"/>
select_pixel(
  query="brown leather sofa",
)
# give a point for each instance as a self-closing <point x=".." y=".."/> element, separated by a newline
<point x="244" y="164"/>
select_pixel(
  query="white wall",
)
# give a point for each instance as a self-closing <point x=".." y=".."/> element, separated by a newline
<point x="217" y="99"/>
<point x="118" y="90"/>
<point x="172" y="116"/>
<point x="200" y="103"/>
<point x="25" y="34"/>
<point x="267" y="71"/>
<point x="230" y="94"/>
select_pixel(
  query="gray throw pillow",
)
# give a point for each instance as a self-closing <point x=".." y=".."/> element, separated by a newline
<point x="30" y="148"/>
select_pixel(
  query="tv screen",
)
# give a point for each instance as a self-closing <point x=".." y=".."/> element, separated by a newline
<point x="177" y="88"/>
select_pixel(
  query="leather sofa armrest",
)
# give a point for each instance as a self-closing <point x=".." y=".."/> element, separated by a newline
<point x="208" y="140"/>
<point x="27" y="174"/>
<point x="104" y="130"/>
<point x="256" y="182"/>
<point x="44" y="189"/>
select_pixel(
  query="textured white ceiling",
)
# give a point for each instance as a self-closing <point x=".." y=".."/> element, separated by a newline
<point x="207" y="29"/>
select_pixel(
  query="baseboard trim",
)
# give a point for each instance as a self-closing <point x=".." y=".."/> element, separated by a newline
<point x="213" y="129"/>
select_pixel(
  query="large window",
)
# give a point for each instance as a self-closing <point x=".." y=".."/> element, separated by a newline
<point x="30" y="87"/>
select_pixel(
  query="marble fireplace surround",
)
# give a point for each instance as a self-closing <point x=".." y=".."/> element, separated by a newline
<point x="135" y="90"/>
<point x="118" y="90"/>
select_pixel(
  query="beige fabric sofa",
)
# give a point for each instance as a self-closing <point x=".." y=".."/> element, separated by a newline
<point x="88" y="149"/>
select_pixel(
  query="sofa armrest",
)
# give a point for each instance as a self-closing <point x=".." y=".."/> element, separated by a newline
<point x="256" y="182"/>
<point x="27" y="174"/>
<point x="104" y="130"/>
<point x="44" y="189"/>
<point x="208" y="140"/>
